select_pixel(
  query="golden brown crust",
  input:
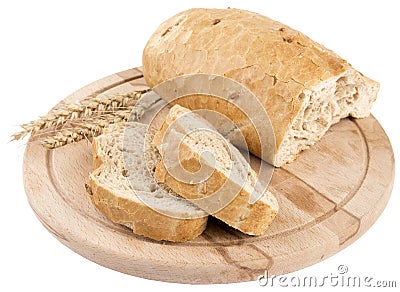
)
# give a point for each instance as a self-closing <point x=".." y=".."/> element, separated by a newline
<point x="260" y="214"/>
<point x="97" y="158"/>
<point x="142" y="219"/>
<point x="274" y="61"/>
<point x="249" y="218"/>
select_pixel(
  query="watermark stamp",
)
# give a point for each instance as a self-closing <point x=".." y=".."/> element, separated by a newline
<point x="341" y="278"/>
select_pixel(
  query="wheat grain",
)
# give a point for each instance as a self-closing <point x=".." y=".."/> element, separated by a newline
<point x="89" y="107"/>
<point x="88" y="127"/>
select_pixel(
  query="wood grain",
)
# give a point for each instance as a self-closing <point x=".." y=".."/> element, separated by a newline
<point x="328" y="198"/>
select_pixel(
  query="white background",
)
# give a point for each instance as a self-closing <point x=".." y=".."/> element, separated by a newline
<point x="48" y="49"/>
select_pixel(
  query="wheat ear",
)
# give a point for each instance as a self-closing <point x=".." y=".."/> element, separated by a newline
<point x="93" y="126"/>
<point x="89" y="107"/>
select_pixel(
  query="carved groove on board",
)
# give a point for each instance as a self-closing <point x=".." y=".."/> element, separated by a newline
<point x="124" y="80"/>
<point x="64" y="196"/>
<point x="49" y="228"/>
<point x="345" y="240"/>
<point x="266" y="255"/>
<point x="225" y="255"/>
<point x="365" y="164"/>
<point x="327" y="215"/>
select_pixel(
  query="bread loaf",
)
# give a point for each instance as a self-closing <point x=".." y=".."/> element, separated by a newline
<point x="303" y="87"/>
<point x="222" y="183"/>
<point x="124" y="189"/>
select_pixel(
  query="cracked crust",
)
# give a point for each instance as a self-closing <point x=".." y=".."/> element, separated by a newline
<point x="286" y="70"/>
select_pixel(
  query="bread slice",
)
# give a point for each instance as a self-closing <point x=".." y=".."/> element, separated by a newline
<point x="201" y="166"/>
<point x="124" y="189"/>
<point x="303" y="87"/>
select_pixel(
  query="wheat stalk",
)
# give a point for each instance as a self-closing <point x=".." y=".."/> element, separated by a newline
<point x="89" y="107"/>
<point x="84" y="129"/>
<point x="94" y="125"/>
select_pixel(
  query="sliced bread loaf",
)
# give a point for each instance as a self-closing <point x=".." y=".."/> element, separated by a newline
<point x="124" y="189"/>
<point x="200" y="165"/>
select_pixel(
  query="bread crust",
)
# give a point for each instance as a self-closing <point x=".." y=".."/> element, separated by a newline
<point x="259" y="215"/>
<point x="251" y="218"/>
<point x="134" y="214"/>
<point x="275" y="62"/>
<point x="142" y="219"/>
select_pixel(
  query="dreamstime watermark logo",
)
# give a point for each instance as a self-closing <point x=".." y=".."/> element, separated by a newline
<point x="229" y="110"/>
<point x="341" y="278"/>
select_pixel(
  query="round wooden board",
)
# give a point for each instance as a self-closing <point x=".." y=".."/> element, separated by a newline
<point x="328" y="198"/>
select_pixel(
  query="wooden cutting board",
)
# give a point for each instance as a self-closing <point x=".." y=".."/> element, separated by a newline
<point x="328" y="198"/>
